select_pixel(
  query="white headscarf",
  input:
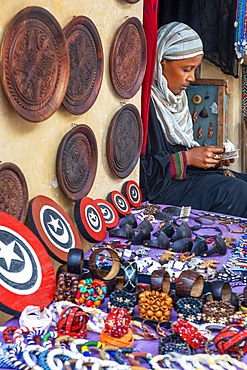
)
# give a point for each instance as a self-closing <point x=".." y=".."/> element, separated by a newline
<point x="175" y="41"/>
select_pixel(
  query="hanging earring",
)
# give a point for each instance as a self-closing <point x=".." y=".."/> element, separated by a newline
<point x="194" y="115"/>
<point x="210" y="130"/>
<point x="206" y="96"/>
<point x="199" y="132"/>
<point x="203" y="113"/>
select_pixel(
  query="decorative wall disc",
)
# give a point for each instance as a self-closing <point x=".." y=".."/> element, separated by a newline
<point x="109" y="213"/>
<point x="118" y="200"/>
<point x="132" y="192"/>
<point x="53" y="227"/>
<point x="86" y="65"/>
<point x="124" y="141"/>
<point x="77" y="160"/>
<point x="90" y="220"/>
<point x="35" y="63"/>
<point x="128" y="58"/>
<point x="13" y="191"/>
<point x="27" y="276"/>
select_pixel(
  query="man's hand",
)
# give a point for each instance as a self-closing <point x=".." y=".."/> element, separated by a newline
<point x="204" y="156"/>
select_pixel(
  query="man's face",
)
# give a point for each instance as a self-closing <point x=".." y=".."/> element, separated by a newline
<point x="180" y="73"/>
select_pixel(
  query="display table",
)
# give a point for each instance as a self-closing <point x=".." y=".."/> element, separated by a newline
<point x="210" y="224"/>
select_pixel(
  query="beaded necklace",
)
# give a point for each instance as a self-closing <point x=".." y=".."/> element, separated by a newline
<point x="241" y="26"/>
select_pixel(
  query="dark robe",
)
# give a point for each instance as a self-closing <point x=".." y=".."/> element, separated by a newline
<point x="208" y="190"/>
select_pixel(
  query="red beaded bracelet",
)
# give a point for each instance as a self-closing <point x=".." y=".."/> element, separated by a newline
<point x="189" y="333"/>
<point x="117" y="322"/>
<point x="6" y="336"/>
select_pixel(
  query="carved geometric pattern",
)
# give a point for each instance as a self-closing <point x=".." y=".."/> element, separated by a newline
<point x="13" y="191"/>
<point x="86" y="65"/>
<point x="77" y="158"/>
<point x="35" y="64"/>
<point x="124" y="140"/>
<point x="128" y="58"/>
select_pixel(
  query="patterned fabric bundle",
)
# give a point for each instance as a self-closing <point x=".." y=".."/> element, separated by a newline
<point x="175" y="41"/>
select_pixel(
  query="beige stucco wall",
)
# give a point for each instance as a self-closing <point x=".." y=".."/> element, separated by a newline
<point x="33" y="146"/>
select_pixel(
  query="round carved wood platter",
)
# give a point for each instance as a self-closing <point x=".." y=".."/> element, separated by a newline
<point x="35" y="63"/>
<point x="76" y="163"/>
<point x="124" y="141"/>
<point x="27" y="275"/>
<point x="54" y="228"/>
<point x="128" y="58"/>
<point x="13" y="191"/>
<point x="86" y="65"/>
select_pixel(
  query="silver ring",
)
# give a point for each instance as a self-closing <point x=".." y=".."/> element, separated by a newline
<point x="216" y="156"/>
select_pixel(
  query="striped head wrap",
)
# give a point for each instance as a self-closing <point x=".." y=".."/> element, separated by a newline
<point x="176" y="41"/>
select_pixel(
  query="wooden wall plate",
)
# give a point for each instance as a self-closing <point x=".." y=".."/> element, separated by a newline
<point x="128" y="58"/>
<point x="54" y="228"/>
<point x="27" y="276"/>
<point x="86" y="65"/>
<point x="35" y="63"/>
<point x="124" y="141"/>
<point x="13" y="191"/>
<point x="90" y="220"/>
<point x="77" y="160"/>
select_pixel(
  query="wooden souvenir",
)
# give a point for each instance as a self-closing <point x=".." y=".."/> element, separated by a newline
<point x="128" y="58"/>
<point x="109" y="213"/>
<point x="35" y="63"/>
<point x="26" y="272"/>
<point x="76" y="164"/>
<point x="86" y="65"/>
<point x="13" y="191"/>
<point x="189" y="284"/>
<point x="132" y="192"/>
<point x="118" y="200"/>
<point x="90" y="220"/>
<point x="124" y="141"/>
<point x="53" y="227"/>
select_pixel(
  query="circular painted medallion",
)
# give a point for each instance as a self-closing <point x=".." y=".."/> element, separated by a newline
<point x="27" y="276"/>
<point x="35" y="63"/>
<point x="53" y="227"/>
<point x="109" y="212"/>
<point x="128" y="58"/>
<point x="86" y="65"/>
<point x="76" y="163"/>
<point x="124" y="141"/>
<point x="90" y="220"/>
<point x="118" y="200"/>
<point x="13" y="191"/>
<point x="132" y="192"/>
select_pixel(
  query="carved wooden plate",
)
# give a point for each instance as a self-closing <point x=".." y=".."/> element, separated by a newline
<point x="128" y="58"/>
<point x="13" y="191"/>
<point x="76" y="163"/>
<point x="35" y="63"/>
<point x="124" y="140"/>
<point x="86" y="65"/>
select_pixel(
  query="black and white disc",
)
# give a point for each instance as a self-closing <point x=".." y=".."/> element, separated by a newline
<point x="90" y="220"/>
<point x="119" y="201"/>
<point x="27" y="275"/>
<point x="109" y="213"/>
<point x="52" y="225"/>
<point x="132" y="192"/>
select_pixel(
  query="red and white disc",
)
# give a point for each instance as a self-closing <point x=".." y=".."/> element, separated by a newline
<point x="26" y="272"/>
<point x="119" y="201"/>
<point x="132" y="192"/>
<point x="52" y="225"/>
<point x="109" y="213"/>
<point x="90" y="220"/>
